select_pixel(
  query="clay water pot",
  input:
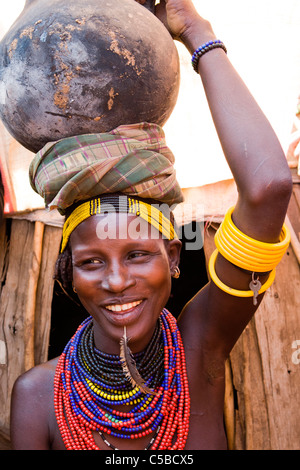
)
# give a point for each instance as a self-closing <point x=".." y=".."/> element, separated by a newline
<point x="85" y="66"/>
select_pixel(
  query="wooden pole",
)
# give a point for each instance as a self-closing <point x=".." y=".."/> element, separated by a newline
<point x="29" y="313"/>
<point x="229" y="414"/>
<point x="294" y="239"/>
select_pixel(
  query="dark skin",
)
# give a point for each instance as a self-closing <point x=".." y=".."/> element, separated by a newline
<point x="120" y="271"/>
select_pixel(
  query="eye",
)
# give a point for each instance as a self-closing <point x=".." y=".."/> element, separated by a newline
<point x="92" y="261"/>
<point x="88" y="262"/>
<point x="137" y="255"/>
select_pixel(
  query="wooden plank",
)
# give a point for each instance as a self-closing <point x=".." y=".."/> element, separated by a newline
<point x="296" y="191"/>
<point x="51" y="244"/>
<point x="26" y="268"/>
<point x="229" y="413"/>
<point x="294" y="211"/>
<point x="295" y="242"/>
<point x="13" y="300"/>
<point x="3" y="251"/>
<point x="30" y="307"/>
<point x="251" y="419"/>
<point x="4" y="443"/>
<point x="265" y="377"/>
<point x="278" y="326"/>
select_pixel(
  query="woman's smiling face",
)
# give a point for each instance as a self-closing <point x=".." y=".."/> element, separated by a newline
<point x="122" y="281"/>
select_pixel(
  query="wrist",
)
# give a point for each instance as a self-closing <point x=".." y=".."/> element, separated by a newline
<point x="197" y="33"/>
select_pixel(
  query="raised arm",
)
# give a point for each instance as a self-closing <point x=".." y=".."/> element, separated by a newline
<point x="258" y="165"/>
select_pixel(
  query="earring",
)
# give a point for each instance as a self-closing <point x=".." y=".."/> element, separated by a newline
<point x="176" y="273"/>
<point x="74" y="289"/>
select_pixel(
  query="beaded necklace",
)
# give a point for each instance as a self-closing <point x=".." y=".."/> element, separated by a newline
<point x="89" y="385"/>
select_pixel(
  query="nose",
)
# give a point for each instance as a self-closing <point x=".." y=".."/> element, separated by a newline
<point x="117" y="278"/>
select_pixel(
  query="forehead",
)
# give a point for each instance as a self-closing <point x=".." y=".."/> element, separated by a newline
<point x="114" y="226"/>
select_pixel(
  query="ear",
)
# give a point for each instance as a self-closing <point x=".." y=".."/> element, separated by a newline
<point x="173" y="250"/>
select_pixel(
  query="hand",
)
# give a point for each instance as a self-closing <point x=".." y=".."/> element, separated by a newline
<point x="178" y="16"/>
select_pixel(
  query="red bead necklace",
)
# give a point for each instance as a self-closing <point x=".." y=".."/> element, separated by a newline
<point x="80" y="412"/>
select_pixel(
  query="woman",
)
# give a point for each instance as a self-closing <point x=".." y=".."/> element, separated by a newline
<point x="124" y="282"/>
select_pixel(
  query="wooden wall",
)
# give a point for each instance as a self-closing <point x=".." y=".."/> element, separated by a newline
<point x="27" y="254"/>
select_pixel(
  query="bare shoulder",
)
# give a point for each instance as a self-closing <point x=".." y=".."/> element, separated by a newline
<point x="32" y="408"/>
<point x="39" y="378"/>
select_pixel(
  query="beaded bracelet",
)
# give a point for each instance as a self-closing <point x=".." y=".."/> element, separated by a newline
<point x="208" y="46"/>
<point x="246" y="252"/>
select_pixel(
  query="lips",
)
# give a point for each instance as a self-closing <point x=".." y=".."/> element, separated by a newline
<point x="123" y="307"/>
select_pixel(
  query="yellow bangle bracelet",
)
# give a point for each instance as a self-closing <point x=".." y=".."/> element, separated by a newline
<point x="230" y="290"/>
<point x="281" y="246"/>
<point x="249" y="239"/>
<point x="246" y="252"/>
<point x="230" y="238"/>
<point x="243" y="257"/>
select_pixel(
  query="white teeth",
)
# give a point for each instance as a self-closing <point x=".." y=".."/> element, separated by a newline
<point x="123" y="307"/>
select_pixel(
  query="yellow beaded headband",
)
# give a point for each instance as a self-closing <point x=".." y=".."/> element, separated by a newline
<point x="116" y="204"/>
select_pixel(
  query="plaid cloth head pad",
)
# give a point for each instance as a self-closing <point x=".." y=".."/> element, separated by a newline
<point x="131" y="159"/>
